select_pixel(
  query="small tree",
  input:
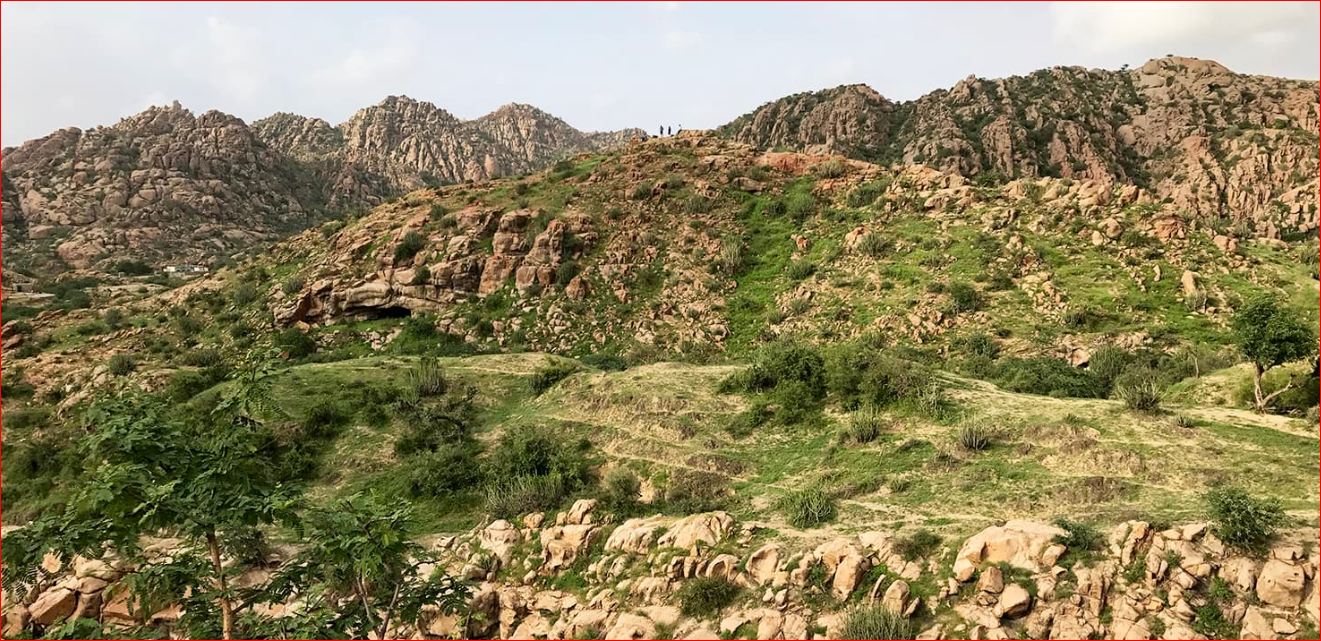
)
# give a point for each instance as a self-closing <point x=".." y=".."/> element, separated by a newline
<point x="1270" y="336"/>
<point x="361" y="571"/>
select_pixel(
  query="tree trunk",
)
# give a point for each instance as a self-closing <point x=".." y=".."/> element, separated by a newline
<point x="226" y="611"/>
<point x="1257" y="372"/>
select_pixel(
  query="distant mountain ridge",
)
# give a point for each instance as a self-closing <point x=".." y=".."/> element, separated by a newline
<point x="1215" y="143"/>
<point x="168" y="186"/>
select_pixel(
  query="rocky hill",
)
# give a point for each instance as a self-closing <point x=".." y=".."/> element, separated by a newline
<point x="1212" y="142"/>
<point x="171" y="187"/>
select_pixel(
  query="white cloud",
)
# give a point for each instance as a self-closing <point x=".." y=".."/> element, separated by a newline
<point x="1122" y="26"/>
<point x="678" y="40"/>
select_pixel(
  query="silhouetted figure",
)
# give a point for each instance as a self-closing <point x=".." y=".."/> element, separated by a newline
<point x="661" y="131"/>
<point x="669" y="131"/>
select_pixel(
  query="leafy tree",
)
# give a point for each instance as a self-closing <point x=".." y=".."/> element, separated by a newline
<point x="1270" y="336"/>
<point x="150" y="470"/>
<point x="360" y="572"/>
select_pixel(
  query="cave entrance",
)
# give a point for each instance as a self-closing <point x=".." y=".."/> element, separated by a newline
<point x="392" y="311"/>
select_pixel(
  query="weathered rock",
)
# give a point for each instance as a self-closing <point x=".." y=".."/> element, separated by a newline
<point x="1019" y="543"/>
<point x="53" y="605"/>
<point x="708" y="528"/>
<point x="1280" y="584"/>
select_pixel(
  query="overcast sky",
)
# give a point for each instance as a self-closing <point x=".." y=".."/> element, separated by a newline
<point x="598" y="66"/>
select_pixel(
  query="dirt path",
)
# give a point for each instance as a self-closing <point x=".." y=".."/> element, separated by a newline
<point x="1244" y="417"/>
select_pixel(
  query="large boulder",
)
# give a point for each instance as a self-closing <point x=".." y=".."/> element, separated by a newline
<point x="635" y="536"/>
<point x="1281" y="584"/>
<point x="764" y="563"/>
<point x="709" y="528"/>
<point x="53" y="605"/>
<point x="561" y="545"/>
<point x="1022" y="544"/>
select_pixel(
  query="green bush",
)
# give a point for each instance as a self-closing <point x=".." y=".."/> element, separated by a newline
<point x="421" y="276"/>
<point x="408" y="247"/>
<point x="121" y="365"/>
<point x="1047" y="377"/>
<point x="295" y="344"/>
<point x="511" y="497"/>
<point x="1138" y="388"/>
<point x="779" y="364"/>
<point x="448" y="420"/>
<point x="440" y="473"/>
<point x="324" y="420"/>
<point x="132" y="268"/>
<point x="292" y="285"/>
<point x="604" y="362"/>
<point x="799" y="205"/>
<point x="245" y="294"/>
<point x="1079" y="539"/>
<point x="566" y="272"/>
<point x="729" y="259"/>
<point x="876" y="622"/>
<point x="690" y="492"/>
<point x="427" y="378"/>
<point x="704" y="597"/>
<point x="874" y="245"/>
<point x="865" y="425"/>
<point x="201" y="358"/>
<point x="621" y="490"/>
<point x="974" y="438"/>
<point x="808" y="508"/>
<point x="642" y="191"/>
<point x="1244" y="521"/>
<point x="113" y="317"/>
<point x="546" y="376"/>
<point x="832" y="168"/>
<point x="800" y="269"/>
<point x="529" y="451"/>
<point x="744" y="423"/>
<point x="23" y="418"/>
<point x="964" y="298"/>
<point x="859" y="374"/>
<point x="696" y="204"/>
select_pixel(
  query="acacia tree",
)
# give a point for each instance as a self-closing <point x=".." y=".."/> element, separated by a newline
<point x="152" y="469"/>
<point x="1270" y="336"/>
<point x="361" y="571"/>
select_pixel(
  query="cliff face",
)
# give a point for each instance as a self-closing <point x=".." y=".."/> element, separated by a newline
<point x="167" y="185"/>
<point x="1214" y="143"/>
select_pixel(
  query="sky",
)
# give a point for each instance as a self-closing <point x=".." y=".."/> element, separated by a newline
<point x="599" y="66"/>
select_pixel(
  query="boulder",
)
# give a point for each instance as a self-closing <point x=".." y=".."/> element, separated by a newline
<point x="561" y="545"/>
<point x="631" y="626"/>
<point x="1280" y="584"/>
<point x="53" y="605"/>
<point x="1015" y="601"/>
<point x="764" y="563"/>
<point x="1018" y="543"/>
<point x="896" y="597"/>
<point x="709" y="528"/>
<point x="635" y="536"/>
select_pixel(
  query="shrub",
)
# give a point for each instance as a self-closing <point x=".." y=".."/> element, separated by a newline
<point x="132" y="268"/>
<point x="511" y="497"/>
<point x="874" y="245"/>
<point x="621" y="490"/>
<point x="746" y="422"/>
<point x="641" y="192"/>
<point x="705" y="597"/>
<point x="25" y="417"/>
<point x="245" y="293"/>
<point x="1079" y="538"/>
<point x="974" y="438"/>
<point x="295" y="344"/>
<point x="1048" y="377"/>
<point x="121" y="365"/>
<point x="964" y="298"/>
<point x="604" y="362"/>
<point x="808" y="508"/>
<point x="292" y="285"/>
<point x="566" y="272"/>
<point x="438" y="210"/>
<point x="427" y="378"/>
<point x="978" y="344"/>
<point x="833" y="168"/>
<point x="917" y="545"/>
<point x="1138" y="389"/>
<point x="696" y="204"/>
<point x="546" y="376"/>
<point x="799" y="205"/>
<point x="690" y="492"/>
<point x="324" y="420"/>
<point x="800" y="269"/>
<point x="1271" y="335"/>
<point x="780" y="364"/>
<point x="530" y="451"/>
<point x="1244" y="521"/>
<point x="729" y="260"/>
<point x="864" y="425"/>
<point x="876" y="622"/>
<point x="1108" y="363"/>
<point x="201" y="358"/>
<point x="421" y="276"/>
<point x="113" y="317"/>
<point x="859" y="374"/>
<point x="439" y="473"/>
<point x="408" y="247"/>
<point x="868" y="193"/>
